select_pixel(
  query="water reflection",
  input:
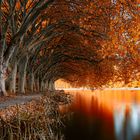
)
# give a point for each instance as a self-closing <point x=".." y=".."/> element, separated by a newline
<point x="127" y="122"/>
<point x="104" y="115"/>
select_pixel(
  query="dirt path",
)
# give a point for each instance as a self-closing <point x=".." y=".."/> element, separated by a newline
<point x="18" y="100"/>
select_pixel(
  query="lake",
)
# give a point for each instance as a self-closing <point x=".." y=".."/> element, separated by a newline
<point x="103" y="115"/>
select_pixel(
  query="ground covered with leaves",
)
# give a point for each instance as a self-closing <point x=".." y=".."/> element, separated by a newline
<point x="35" y="120"/>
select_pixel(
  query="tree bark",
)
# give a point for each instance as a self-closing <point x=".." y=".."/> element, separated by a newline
<point x="37" y="84"/>
<point x="4" y="62"/>
<point x="2" y="68"/>
<point x="22" y="74"/>
<point x="31" y="82"/>
<point x="2" y="81"/>
<point x="50" y="85"/>
<point x="42" y="86"/>
<point x="13" y="76"/>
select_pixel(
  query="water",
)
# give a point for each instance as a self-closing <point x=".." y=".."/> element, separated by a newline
<point x="104" y="115"/>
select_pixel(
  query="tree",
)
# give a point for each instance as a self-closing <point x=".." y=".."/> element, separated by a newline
<point x="87" y="43"/>
<point x="17" y="17"/>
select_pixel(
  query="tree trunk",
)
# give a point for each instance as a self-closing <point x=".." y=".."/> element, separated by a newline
<point x="45" y="86"/>
<point x="31" y="82"/>
<point x="12" y="82"/>
<point x="22" y="74"/>
<point x="3" y="67"/>
<point x="42" y="86"/>
<point x="37" y="84"/>
<point x="50" y="85"/>
<point x="2" y="83"/>
<point x="4" y="62"/>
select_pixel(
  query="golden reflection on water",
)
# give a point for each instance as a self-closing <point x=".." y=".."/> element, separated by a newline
<point x="107" y="100"/>
<point x="116" y="111"/>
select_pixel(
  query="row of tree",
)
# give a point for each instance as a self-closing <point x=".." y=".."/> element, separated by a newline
<point x="90" y="43"/>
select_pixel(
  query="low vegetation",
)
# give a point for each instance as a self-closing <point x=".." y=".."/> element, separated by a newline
<point x="37" y="120"/>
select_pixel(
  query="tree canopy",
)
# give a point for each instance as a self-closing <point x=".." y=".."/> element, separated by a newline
<point x="86" y="43"/>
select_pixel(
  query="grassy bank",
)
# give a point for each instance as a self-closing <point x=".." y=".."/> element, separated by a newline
<point x="36" y="120"/>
